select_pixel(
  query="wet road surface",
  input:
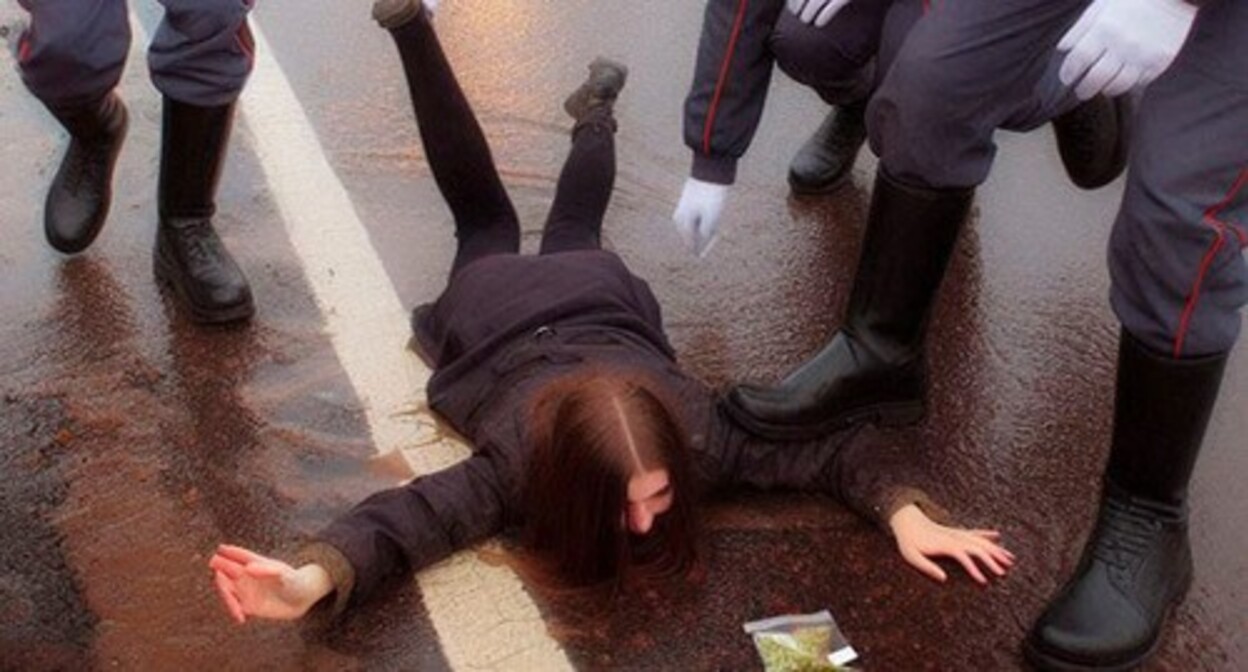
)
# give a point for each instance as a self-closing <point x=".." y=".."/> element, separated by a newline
<point x="131" y="442"/>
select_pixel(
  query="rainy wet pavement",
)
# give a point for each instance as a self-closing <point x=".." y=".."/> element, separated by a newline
<point x="131" y="442"/>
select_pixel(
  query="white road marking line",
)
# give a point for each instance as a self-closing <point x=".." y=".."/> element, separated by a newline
<point x="484" y="618"/>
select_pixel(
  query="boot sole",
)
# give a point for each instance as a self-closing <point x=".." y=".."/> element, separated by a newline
<point x="888" y="415"/>
<point x="164" y="278"/>
<point x="1047" y="662"/>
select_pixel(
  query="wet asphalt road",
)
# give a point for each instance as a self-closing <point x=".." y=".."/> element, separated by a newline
<point x="131" y="442"/>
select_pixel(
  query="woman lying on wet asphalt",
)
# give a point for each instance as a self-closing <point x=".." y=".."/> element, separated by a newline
<point x="588" y="438"/>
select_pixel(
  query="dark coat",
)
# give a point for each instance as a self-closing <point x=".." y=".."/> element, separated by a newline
<point x="506" y="325"/>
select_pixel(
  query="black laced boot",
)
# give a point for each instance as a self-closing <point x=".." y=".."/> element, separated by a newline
<point x="1137" y="564"/>
<point x="189" y="257"/>
<point x="1093" y="139"/>
<point x="823" y="164"/>
<point x="598" y="93"/>
<point x="82" y="190"/>
<point x="873" y="369"/>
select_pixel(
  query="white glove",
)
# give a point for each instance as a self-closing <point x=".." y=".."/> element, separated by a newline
<point x="1118" y="45"/>
<point x="697" y="214"/>
<point x="818" y="12"/>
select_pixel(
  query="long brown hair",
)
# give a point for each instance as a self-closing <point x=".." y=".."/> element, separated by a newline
<point x="590" y="431"/>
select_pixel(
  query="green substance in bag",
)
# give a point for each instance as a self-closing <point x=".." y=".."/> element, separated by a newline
<point x="803" y="650"/>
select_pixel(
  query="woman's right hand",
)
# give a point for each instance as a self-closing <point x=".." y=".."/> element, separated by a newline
<point x="252" y="585"/>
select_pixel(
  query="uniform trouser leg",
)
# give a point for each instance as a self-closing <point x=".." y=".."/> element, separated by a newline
<point x="202" y="52"/>
<point x="1176" y="253"/>
<point x="1179" y="281"/>
<point x="74" y="51"/>
<point x="585" y="186"/>
<point x="965" y="69"/>
<point x="458" y="154"/>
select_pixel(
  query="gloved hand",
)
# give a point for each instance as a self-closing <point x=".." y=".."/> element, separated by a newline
<point x="697" y="214"/>
<point x="1121" y="44"/>
<point x="818" y="12"/>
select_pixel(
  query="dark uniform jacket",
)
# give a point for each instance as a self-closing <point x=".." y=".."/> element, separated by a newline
<point x="506" y="325"/>
<point x="730" y="84"/>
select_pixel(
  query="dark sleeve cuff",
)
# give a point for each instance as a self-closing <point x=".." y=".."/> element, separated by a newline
<point x="714" y="169"/>
<point x="340" y="571"/>
<point x="892" y="500"/>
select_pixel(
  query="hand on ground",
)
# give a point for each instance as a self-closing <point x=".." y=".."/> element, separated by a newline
<point x="252" y="585"/>
<point x="920" y="540"/>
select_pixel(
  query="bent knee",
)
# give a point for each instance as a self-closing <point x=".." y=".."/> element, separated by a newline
<point x="812" y="55"/>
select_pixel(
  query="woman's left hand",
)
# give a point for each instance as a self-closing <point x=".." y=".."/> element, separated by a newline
<point x="920" y="539"/>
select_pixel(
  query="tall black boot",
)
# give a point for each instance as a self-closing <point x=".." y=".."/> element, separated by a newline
<point x="1093" y="140"/>
<point x="873" y="368"/>
<point x="189" y="257"/>
<point x="1137" y="564"/>
<point x="82" y="190"/>
<point x="823" y="164"/>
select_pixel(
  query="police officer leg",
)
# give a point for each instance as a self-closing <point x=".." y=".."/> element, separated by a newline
<point x="200" y="59"/>
<point x="932" y="123"/>
<point x="71" y="58"/>
<point x="1179" y="281"/>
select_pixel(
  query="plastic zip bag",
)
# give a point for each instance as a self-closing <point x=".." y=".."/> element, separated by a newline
<point x="803" y="643"/>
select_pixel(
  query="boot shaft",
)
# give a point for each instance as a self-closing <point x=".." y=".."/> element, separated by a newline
<point x="1161" y="410"/>
<point x="906" y="248"/>
<point x="98" y="120"/>
<point x="194" y="142"/>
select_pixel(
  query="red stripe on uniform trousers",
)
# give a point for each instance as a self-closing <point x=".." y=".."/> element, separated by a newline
<point x="1211" y="220"/>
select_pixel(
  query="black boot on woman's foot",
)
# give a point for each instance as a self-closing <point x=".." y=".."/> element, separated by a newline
<point x="82" y="190"/>
<point x="606" y="80"/>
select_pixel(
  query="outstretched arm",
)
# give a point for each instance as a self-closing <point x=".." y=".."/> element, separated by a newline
<point x="390" y="534"/>
<point x="863" y="477"/>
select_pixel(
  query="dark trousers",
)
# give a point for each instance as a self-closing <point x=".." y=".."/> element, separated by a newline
<point x="458" y="155"/>
<point x="837" y="59"/>
<point x="968" y="67"/>
<point x="75" y="50"/>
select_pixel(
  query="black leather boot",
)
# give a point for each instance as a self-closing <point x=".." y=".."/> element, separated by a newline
<point x="873" y="369"/>
<point x="82" y="190"/>
<point x="189" y="257"/>
<point x="1093" y="139"/>
<point x="1137" y="564"/>
<point x="823" y="164"/>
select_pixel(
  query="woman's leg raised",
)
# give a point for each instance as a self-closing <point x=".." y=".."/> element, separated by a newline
<point x="458" y="155"/>
<point x="588" y="177"/>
